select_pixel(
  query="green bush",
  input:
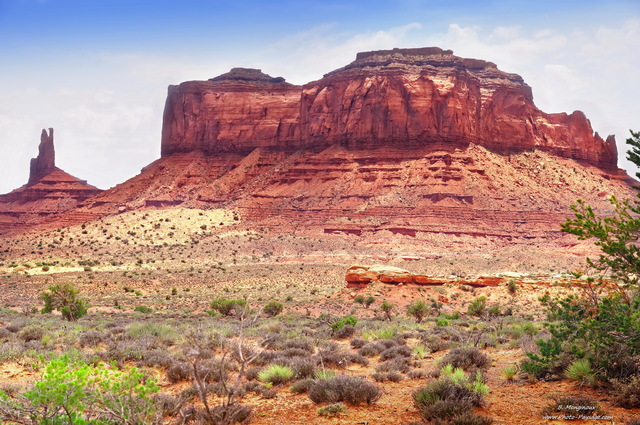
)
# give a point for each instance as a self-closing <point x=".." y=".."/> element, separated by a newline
<point x="272" y="309"/>
<point x="418" y="310"/>
<point x="76" y="393"/>
<point x="227" y="307"/>
<point x="64" y="298"/>
<point x="477" y="307"/>
<point x="346" y="320"/>
<point x="388" y="309"/>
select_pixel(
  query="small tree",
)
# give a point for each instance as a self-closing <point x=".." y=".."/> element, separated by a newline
<point x="64" y="298"/>
<point x="388" y="309"/>
<point x="418" y="310"/>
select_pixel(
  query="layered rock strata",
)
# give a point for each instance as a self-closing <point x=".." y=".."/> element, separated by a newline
<point x="410" y="98"/>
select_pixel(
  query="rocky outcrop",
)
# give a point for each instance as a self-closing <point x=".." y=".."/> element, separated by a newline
<point x="362" y="276"/>
<point x="411" y="98"/>
<point x="49" y="191"/>
<point x="45" y="162"/>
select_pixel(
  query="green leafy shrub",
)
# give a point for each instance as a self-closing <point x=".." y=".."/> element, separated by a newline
<point x="228" y="307"/>
<point x="72" y="392"/>
<point x="388" y="309"/>
<point x="346" y="388"/>
<point x="477" y="307"/>
<point x="272" y="309"/>
<point x="418" y="310"/>
<point x="64" y="298"/>
<point x="346" y="320"/>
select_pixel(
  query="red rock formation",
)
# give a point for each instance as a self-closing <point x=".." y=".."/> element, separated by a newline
<point x="45" y="162"/>
<point x="403" y="97"/>
<point x="49" y="191"/>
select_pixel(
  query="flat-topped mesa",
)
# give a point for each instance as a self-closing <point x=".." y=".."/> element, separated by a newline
<point x="45" y="162"/>
<point x="424" y="97"/>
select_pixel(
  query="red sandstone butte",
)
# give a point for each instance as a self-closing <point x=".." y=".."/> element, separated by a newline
<point x="49" y="191"/>
<point x="400" y="97"/>
<point x="416" y="144"/>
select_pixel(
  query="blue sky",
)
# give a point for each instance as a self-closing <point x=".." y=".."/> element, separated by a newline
<point x="98" y="70"/>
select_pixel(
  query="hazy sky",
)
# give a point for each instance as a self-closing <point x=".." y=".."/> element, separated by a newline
<point x="97" y="71"/>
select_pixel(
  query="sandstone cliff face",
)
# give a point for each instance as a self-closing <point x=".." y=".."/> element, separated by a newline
<point x="403" y="97"/>
<point x="50" y="191"/>
<point x="237" y="111"/>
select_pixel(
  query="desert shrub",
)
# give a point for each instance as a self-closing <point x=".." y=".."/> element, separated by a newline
<point x="346" y="388"/>
<point x="436" y="344"/>
<point x="466" y="358"/>
<point x="633" y="422"/>
<point x="272" y="309"/>
<point x="303" y="367"/>
<point x="178" y="371"/>
<point x="159" y="331"/>
<point x="365" y="301"/>
<point x="91" y="338"/>
<point x="143" y="309"/>
<point x="72" y="392"/>
<point x="341" y="358"/>
<point x="580" y="370"/>
<point x="64" y="298"/>
<point x="599" y="333"/>
<point x="477" y="307"/>
<point x="346" y="320"/>
<point x="276" y="374"/>
<point x="418" y="310"/>
<point x="371" y="349"/>
<point x="387" y="376"/>
<point x="301" y="386"/>
<point x="397" y="351"/>
<point x="357" y="343"/>
<point x="398" y="364"/>
<point x="417" y="374"/>
<point x="626" y="393"/>
<point x="573" y="406"/>
<point x="449" y="397"/>
<point x="344" y="332"/>
<point x="31" y="333"/>
<point x="388" y="309"/>
<point x="332" y="410"/>
<point x="228" y="307"/>
<point x="230" y="414"/>
<point x="509" y="372"/>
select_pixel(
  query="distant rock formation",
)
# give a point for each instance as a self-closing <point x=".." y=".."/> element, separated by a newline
<point x="402" y="97"/>
<point x="49" y="191"/>
<point x="45" y="162"/>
